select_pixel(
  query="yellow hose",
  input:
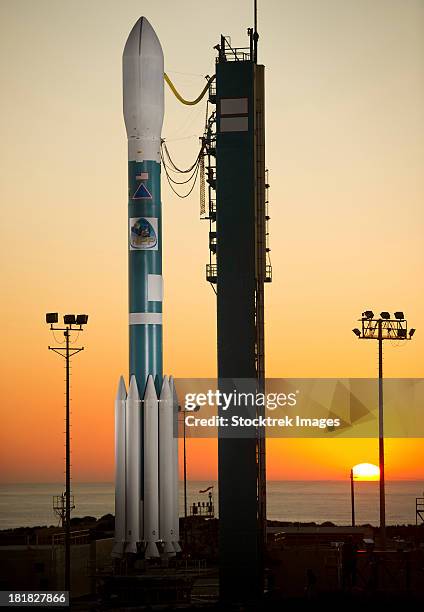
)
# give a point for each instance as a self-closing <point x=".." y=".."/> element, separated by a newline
<point x="180" y="98"/>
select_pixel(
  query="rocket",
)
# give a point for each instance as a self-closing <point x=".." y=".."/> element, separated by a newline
<point x="143" y="113"/>
<point x="146" y="480"/>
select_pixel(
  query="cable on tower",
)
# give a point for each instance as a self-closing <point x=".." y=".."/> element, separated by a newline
<point x="179" y="96"/>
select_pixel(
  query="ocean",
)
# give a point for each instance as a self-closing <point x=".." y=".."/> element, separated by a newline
<point x="319" y="501"/>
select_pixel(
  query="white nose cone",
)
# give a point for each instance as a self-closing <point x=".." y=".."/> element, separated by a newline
<point x="143" y="83"/>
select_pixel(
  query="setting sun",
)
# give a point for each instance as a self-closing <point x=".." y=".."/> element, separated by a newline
<point x="366" y="471"/>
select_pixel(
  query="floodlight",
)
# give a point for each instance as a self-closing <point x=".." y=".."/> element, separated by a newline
<point x="411" y="332"/>
<point x="385" y="315"/>
<point x="52" y="317"/>
<point x="399" y="315"/>
<point x="401" y="333"/>
<point x="82" y="319"/>
<point x="368" y="314"/>
<point x="69" y="319"/>
<point x="356" y="332"/>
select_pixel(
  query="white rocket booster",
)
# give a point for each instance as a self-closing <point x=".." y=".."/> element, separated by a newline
<point x="151" y="470"/>
<point x="150" y="514"/>
<point x="166" y="469"/>
<point x="120" y="470"/>
<point x="134" y="508"/>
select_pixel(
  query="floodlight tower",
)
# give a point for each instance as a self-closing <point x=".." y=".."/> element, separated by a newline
<point x="72" y="323"/>
<point x="382" y="328"/>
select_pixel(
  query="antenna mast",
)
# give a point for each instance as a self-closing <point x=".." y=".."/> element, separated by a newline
<point x="255" y="32"/>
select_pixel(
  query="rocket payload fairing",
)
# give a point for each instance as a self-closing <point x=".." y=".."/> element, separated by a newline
<point x="146" y="485"/>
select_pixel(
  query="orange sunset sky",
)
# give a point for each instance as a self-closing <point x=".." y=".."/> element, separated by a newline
<point x="345" y="151"/>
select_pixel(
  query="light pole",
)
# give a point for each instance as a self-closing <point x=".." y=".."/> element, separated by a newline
<point x="72" y="323"/>
<point x="382" y="328"/>
<point x="352" y="497"/>
<point x="185" y="471"/>
<point x="184" y="410"/>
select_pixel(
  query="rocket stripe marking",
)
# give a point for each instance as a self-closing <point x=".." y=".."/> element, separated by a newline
<point x="145" y="318"/>
<point x="142" y="193"/>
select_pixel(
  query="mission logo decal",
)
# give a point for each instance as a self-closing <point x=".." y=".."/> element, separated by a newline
<point x="144" y="234"/>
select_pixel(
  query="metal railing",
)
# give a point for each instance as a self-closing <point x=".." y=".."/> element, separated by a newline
<point x="212" y="92"/>
<point x="77" y="537"/>
<point x="229" y="54"/>
<point x="419" y="509"/>
<point x="204" y="509"/>
<point x="211" y="272"/>
<point x="268" y="274"/>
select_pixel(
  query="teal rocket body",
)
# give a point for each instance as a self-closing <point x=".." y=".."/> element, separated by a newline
<point x="145" y="272"/>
